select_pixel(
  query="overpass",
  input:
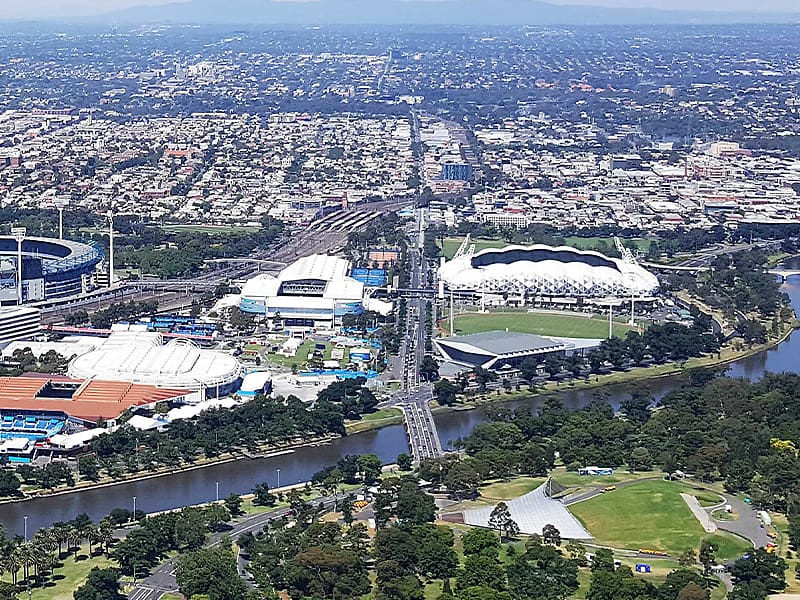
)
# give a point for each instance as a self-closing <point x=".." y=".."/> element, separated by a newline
<point x="674" y="268"/>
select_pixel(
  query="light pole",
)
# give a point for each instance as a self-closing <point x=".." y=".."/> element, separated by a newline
<point x="110" y="249"/>
<point x="133" y="519"/>
<point x="61" y="204"/>
<point x="217" y="491"/>
<point x="25" y="526"/>
<point x="19" y="235"/>
<point x="279" y="479"/>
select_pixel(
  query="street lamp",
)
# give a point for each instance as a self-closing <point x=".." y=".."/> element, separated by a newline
<point x="25" y="526"/>
<point x="133" y="519"/>
<point x="279" y="479"/>
<point x="18" y="233"/>
<point x="217" y="491"/>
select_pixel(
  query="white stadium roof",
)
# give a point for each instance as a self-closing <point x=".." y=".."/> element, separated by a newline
<point x="330" y="270"/>
<point x="547" y="271"/>
<point x="144" y="359"/>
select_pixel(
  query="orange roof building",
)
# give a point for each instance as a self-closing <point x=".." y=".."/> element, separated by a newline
<point x="89" y="400"/>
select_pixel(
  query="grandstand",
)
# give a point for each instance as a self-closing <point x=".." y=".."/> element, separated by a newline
<point x="525" y="274"/>
<point x="31" y="425"/>
<point x="50" y="268"/>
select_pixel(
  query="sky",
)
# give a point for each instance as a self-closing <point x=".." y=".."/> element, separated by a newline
<point x="54" y="8"/>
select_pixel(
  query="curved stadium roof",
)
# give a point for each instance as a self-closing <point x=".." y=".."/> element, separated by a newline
<point x="179" y="363"/>
<point x="548" y="271"/>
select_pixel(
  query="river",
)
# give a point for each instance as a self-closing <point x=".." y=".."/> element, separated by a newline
<point x="200" y="485"/>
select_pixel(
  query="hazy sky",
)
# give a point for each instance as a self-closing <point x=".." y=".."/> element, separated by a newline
<point x="54" y="8"/>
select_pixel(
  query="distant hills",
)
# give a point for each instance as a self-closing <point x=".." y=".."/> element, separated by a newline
<point x="422" y="12"/>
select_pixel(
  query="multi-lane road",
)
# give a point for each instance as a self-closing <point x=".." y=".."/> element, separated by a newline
<point x="415" y="397"/>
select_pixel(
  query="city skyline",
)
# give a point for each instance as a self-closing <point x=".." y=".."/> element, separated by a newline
<point x="54" y="9"/>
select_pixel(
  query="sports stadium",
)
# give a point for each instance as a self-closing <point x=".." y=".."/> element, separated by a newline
<point x="314" y="292"/>
<point x="528" y="272"/>
<point x="51" y="268"/>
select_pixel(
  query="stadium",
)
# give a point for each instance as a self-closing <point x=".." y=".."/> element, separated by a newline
<point x="143" y="358"/>
<point x="315" y="292"/>
<point x="527" y="273"/>
<point x="51" y="268"/>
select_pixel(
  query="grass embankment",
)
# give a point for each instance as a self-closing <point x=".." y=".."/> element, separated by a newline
<point x="540" y="323"/>
<point x="380" y="418"/>
<point x="652" y="515"/>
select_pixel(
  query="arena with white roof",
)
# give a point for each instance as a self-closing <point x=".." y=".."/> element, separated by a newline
<point x="314" y="292"/>
<point x="546" y="271"/>
<point x="142" y="357"/>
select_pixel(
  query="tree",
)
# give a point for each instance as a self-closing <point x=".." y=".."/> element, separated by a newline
<point x="551" y="535"/>
<point x="640" y="459"/>
<point x="480" y="541"/>
<point x="102" y="584"/>
<point x="687" y="558"/>
<point x="481" y="571"/>
<point x="753" y="590"/>
<point x="603" y="560"/>
<point x="762" y="567"/>
<point x="210" y="571"/>
<point x="262" y="495"/>
<point x="542" y="572"/>
<point x="692" y="591"/>
<point x="234" y="504"/>
<point x="9" y="483"/>
<point x="708" y="555"/>
<point x="404" y="461"/>
<point x="500" y="519"/>
<point x="394" y="582"/>
<point x="370" y="466"/>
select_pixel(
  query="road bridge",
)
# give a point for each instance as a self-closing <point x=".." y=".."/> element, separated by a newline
<point x="784" y="274"/>
<point x="423" y="437"/>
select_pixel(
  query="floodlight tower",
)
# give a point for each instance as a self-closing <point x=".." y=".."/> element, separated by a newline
<point x="110" y="248"/>
<point x="18" y="233"/>
<point x="61" y="204"/>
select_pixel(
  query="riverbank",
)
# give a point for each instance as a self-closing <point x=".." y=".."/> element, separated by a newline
<point x="227" y="457"/>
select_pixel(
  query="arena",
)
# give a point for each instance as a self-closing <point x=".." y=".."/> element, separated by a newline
<point x="143" y="358"/>
<point x="51" y="268"/>
<point x="313" y="293"/>
<point x="525" y="273"/>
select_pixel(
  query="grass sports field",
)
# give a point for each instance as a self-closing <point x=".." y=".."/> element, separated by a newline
<point x="654" y="517"/>
<point x="562" y="325"/>
<point x="450" y="245"/>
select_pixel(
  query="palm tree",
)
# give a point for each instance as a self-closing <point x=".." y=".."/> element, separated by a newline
<point x="92" y="536"/>
<point x="61" y="534"/>
<point x="46" y="540"/>
<point x="13" y="564"/>
<point x="105" y="533"/>
<point x="74" y="538"/>
<point x="24" y="554"/>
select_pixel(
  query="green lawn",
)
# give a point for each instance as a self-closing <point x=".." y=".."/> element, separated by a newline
<point x="707" y="498"/>
<point x="450" y="245"/>
<point x="68" y="577"/>
<point x="561" y="325"/>
<point x="508" y="490"/>
<point x="731" y="546"/>
<point x="650" y="514"/>
<point x="571" y="478"/>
